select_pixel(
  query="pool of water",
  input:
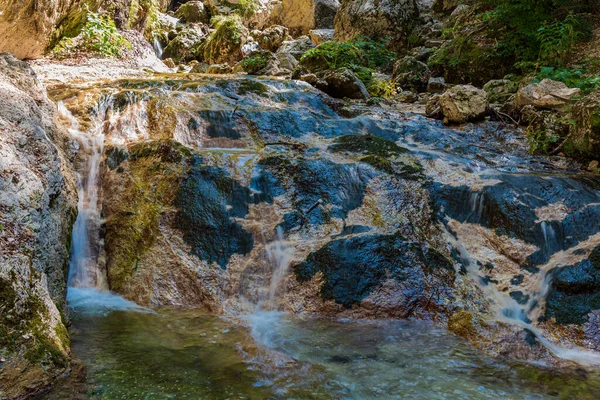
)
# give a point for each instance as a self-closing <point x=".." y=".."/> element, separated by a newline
<point x="132" y="353"/>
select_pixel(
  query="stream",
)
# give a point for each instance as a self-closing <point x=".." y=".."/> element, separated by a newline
<point x="512" y="223"/>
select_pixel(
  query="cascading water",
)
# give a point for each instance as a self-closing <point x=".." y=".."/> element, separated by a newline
<point x="87" y="285"/>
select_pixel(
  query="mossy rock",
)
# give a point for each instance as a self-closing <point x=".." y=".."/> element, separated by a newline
<point x="368" y="145"/>
<point x="461" y="323"/>
<point x="224" y="44"/>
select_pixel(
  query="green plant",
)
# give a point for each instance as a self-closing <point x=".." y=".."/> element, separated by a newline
<point x="362" y="55"/>
<point x="247" y="8"/>
<point x="570" y="77"/>
<point x="98" y="35"/>
<point x="558" y="38"/>
<point x="255" y="62"/>
<point x="540" y="141"/>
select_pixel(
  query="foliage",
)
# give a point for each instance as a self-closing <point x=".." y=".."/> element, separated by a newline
<point x="570" y="77"/>
<point x="540" y="141"/>
<point x="382" y="88"/>
<point x="247" y="8"/>
<point x="362" y="55"/>
<point x="558" y="38"/>
<point x="98" y="35"/>
<point x="255" y="62"/>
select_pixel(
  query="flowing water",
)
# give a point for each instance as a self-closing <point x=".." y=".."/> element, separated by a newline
<point x="549" y="218"/>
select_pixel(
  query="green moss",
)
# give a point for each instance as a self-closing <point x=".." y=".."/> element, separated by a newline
<point x="461" y="323"/>
<point x="252" y="86"/>
<point x="379" y="163"/>
<point x="154" y="172"/>
<point x="228" y="35"/>
<point x="368" y="145"/>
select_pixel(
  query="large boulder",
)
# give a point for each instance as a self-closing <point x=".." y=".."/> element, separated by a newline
<point x="341" y="83"/>
<point x="272" y="37"/>
<point x="26" y="26"/>
<point x="38" y="203"/>
<point x="319" y="36"/>
<point x="225" y="43"/>
<point x="463" y="103"/>
<point x="411" y="74"/>
<point x="301" y="16"/>
<point x="391" y="19"/>
<point x="296" y="47"/>
<point x="193" y="11"/>
<point x="187" y="45"/>
<point x="547" y="94"/>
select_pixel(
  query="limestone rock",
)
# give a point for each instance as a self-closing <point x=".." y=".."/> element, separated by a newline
<point x="38" y="204"/>
<point x="318" y="36"/>
<point x="272" y="37"/>
<point x="301" y="16"/>
<point x="187" y="44"/>
<point x="463" y="103"/>
<point x="219" y="69"/>
<point x="224" y="44"/>
<point x="296" y="47"/>
<point x="436" y="85"/>
<point x="546" y="94"/>
<point x="342" y="83"/>
<point x="193" y="11"/>
<point x="391" y="19"/>
<point x="411" y="74"/>
<point x="26" y="26"/>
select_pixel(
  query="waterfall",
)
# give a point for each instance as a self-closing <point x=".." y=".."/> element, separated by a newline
<point x="158" y="49"/>
<point x="266" y="317"/>
<point x="86" y="246"/>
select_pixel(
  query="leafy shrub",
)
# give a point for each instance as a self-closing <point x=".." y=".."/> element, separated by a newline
<point x="362" y="55"/>
<point x="255" y="62"/>
<point x="98" y="35"/>
<point x="570" y="77"/>
<point x="558" y="38"/>
<point x="247" y="8"/>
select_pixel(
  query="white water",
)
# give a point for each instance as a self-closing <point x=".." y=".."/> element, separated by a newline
<point x="266" y="318"/>
<point x="87" y="287"/>
<point x="157" y="48"/>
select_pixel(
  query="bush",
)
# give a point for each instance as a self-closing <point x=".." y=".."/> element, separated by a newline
<point x="570" y="77"/>
<point x="98" y="35"/>
<point x="362" y="55"/>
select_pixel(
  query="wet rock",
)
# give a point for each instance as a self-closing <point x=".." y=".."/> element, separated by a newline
<point x="301" y="16"/>
<point x="547" y="94"/>
<point x="224" y="44"/>
<point x="500" y="90"/>
<point x="187" y="45"/>
<point x="341" y="83"/>
<point x="353" y="268"/>
<point x="391" y="19"/>
<point x="575" y="291"/>
<point x="38" y="206"/>
<point x="318" y="36"/>
<point x="585" y="133"/>
<point x="463" y="103"/>
<point x="411" y="74"/>
<point x="296" y="47"/>
<point x="436" y="85"/>
<point x="193" y="12"/>
<point x="271" y="38"/>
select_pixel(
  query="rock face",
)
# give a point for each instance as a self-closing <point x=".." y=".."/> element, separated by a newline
<point x="463" y="103"/>
<point x="319" y="36"/>
<point x="393" y="19"/>
<point x="193" y="11"/>
<point x="225" y="43"/>
<point x="547" y="94"/>
<point x="301" y="16"/>
<point x="37" y="210"/>
<point x="187" y="45"/>
<point x="341" y="83"/>
<point x="26" y="26"/>
<point x="271" y="38"/>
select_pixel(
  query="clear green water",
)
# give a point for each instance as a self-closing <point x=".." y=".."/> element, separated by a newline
<point x="183" y="354"/>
